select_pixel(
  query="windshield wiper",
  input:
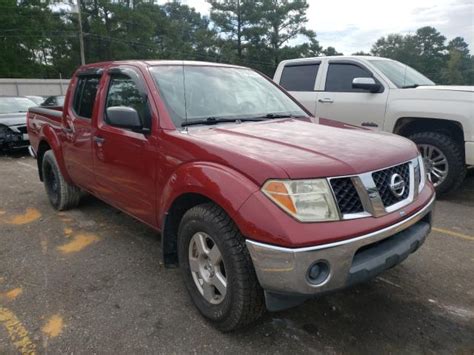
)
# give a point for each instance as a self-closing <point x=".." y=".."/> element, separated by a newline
<point x="214" y="120"/>
<point x="280" y="115"/>
<point x="412" y="86"/>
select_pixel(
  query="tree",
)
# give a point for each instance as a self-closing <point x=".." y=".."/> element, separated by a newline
<point x="430" y="51"/>
<point x="460" y="65"/>
<point x="282" y="21"/>
<point x="361" y="53"/>
<point x="29" y="32"/>
<point x="331" y="51"/>
<point x="185" y="34"/>
<point x="234" y="19"/>
<point x="397" y="47"/>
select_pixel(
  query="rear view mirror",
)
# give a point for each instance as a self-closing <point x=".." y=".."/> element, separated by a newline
<point x="123" y="117"/>
<point x="368" y="84"/>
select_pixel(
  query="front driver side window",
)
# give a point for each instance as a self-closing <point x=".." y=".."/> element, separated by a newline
<point x="124" y="92"/>
<point x="340" y="75"/>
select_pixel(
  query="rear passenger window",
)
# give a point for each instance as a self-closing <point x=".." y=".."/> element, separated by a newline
<point x="339" y="77"/>
<point x="84" y="97"/>
<point x="299" y="77"/>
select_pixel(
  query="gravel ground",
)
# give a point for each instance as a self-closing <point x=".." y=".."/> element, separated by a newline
<point x="91" y="281"/>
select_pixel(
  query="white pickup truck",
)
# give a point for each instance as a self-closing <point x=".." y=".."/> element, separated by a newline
<point x="384" y="94"/>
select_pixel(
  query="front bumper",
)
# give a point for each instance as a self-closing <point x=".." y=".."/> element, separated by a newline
<point x="13" y="137"/>
<point x="284" y="271"/>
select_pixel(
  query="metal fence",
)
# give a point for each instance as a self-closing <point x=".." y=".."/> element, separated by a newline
<point x="35" y="87"/>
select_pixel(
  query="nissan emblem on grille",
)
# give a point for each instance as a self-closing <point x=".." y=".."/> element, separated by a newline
<point x="397" y="185"/>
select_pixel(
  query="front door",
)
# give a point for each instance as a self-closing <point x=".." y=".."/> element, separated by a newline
<point x="340" y="102"/>
<point x="77" y="131"/>
<point x="125" y="160"/>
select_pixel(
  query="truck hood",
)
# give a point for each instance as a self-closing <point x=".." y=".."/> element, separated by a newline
<point x="13" y="119"/>
<point x="304" y="149"/>
<point x="447" y="88"/>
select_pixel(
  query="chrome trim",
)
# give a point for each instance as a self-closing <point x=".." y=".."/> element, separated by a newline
<point x="369" y="194"/>
<point x="282" y="269"/>
<point x="32" y="151"/>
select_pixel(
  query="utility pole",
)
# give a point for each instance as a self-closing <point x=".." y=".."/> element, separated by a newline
<point x="81" y="34"/>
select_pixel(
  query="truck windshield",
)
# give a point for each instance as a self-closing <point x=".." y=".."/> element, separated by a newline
<point x="400" y="74"/>
<point x="219" y="94"/>
<point x="15" y="104"/>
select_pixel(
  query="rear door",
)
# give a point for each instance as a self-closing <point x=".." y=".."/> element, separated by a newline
<point x="124" y="160"/>
<point x="77" y="129"/>
<point x="299" y="78"/>
<point x="340" y="102"/>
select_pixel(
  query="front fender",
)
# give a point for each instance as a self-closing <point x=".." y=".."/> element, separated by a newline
<point x="224" y="186"/>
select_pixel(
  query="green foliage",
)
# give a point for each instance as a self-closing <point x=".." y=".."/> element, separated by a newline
<point x="361" y="53"/>
<point x="331" y="51"/>
<point x="41" y="40"/>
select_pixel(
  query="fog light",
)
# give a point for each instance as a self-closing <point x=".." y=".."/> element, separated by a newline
<point x="318" y="272"/>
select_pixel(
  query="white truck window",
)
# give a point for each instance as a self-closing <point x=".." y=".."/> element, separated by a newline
<point x="340" y="75"/>
<point x="300" y="77"/>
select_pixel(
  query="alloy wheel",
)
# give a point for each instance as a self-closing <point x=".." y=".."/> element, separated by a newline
<point x="436" y="163"/>
<point x="207" y="268"/>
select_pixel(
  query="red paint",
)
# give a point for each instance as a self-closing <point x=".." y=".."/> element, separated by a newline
<point x="143" y="175"/>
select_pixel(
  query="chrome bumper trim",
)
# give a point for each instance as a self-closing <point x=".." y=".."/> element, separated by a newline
<point x="32" y="151"/>
<point x="284" y="270"/>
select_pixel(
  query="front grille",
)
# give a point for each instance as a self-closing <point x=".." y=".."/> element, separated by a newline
<point x="346" y="196"/>
<point x="382" y="181"/>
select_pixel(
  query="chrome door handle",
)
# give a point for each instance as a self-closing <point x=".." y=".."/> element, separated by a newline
<point x="326" y="101"/>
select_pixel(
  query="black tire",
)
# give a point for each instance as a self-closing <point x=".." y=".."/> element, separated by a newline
<point x="244" y="300"/>
<point x="454" y="154"/>
<point x="61" y="194"/>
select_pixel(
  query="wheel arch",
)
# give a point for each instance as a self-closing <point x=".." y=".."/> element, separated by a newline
<point x="43" y="147"/>
<point x="406" y="126"/>
<point x="171" y="222"/>
<point x="49" y="140"/>
<point x="195" y="184"/>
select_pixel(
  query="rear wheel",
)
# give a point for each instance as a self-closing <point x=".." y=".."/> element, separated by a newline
<point x="61" y="194"/>
<point x="217" y="268"/>
<point x="443" y="158"/>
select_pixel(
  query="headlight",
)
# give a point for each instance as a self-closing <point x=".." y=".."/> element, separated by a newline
<point x="306" y="200"/>
<point x="421" y="167"/>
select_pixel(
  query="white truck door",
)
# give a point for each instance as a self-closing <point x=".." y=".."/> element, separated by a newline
<point x="299" y="78"/>
<point x="341" y="102"/>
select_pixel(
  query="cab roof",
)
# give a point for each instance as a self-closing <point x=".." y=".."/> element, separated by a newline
<point x="150" y="63"/>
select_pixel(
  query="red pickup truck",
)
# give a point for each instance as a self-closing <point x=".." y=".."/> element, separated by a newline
<point x="256" y="203"/>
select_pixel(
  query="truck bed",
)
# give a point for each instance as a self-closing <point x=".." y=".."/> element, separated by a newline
<point x="38" y="117"/>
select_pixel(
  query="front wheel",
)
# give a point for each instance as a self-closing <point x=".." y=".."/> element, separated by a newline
<point x="217" y="268"/>
<point x="443" y="158"/>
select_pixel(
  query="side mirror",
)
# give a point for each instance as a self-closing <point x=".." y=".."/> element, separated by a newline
<point x="124" y="117"/>
<point x="368" y="84"/>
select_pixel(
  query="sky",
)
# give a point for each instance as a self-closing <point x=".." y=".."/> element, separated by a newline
<point x="354" y="25"/>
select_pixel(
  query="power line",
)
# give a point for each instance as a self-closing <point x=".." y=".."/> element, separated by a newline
<point x="196" y="55"/>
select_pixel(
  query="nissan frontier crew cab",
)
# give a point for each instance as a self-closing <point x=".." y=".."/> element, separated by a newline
<point x="258" y="205"/>
<point x="383" y="94"/>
